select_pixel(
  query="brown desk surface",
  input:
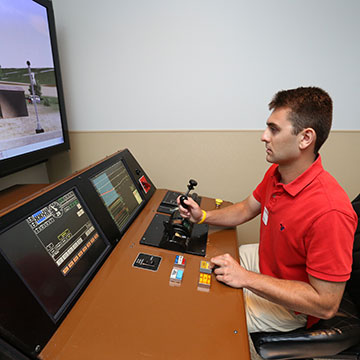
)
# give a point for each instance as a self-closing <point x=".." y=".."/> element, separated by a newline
<point x="17" y="193"/>
<point x="131" y="313"/>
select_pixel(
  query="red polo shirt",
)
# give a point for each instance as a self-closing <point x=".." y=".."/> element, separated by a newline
<point x="307" y="226"/>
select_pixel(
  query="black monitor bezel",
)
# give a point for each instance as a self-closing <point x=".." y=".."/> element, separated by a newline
<point x="32" y="207"/>
<point x="21" y="162"/>
<point x="20" y="304"/>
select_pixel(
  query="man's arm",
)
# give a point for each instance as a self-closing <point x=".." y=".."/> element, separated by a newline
<point x="232" y="215"/>
<point x="318" y="298"/>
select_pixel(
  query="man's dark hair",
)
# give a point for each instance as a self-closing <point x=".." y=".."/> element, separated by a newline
<point x="310" y="107"/>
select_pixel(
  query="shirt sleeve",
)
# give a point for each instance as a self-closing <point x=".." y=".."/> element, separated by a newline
<point x="329" y="244"/>
<point x="259" y="192"/>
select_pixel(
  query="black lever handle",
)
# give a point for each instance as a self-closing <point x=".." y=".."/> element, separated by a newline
<point x="191" y="185"/>
<point x="182" y="198"/>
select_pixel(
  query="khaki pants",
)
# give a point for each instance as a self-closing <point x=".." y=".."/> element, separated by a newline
<point x="261" y="314"/>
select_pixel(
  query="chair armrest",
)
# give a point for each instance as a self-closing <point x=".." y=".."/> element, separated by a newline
<point x="326" y="338"/>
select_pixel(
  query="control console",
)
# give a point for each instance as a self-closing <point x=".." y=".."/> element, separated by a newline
<point x="174" y="232"/>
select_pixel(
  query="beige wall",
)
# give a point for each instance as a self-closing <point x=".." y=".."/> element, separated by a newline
<point x="226" y="164"/>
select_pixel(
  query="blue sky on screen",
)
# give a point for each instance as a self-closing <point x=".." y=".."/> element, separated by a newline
<point x="24" y="35"/>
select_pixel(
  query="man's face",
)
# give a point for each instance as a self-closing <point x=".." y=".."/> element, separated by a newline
<point x="282" y="146"/>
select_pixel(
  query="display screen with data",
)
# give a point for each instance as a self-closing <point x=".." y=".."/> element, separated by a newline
<point x="55" y="250"/>
<point x="118" y="193"/>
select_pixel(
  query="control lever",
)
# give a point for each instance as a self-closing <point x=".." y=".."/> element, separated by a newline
<point x="177" y="231"/>
<point x="191" y="185"/>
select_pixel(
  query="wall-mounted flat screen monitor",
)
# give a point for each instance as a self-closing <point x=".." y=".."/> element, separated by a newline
<point x="55" y="250"/>
<point x="32" y="110"/>
<point x="118" y="193"/>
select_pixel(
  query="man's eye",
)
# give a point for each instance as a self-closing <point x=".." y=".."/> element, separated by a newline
<point x="273" y="129"/>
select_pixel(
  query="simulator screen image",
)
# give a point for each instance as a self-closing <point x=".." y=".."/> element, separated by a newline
<point x="54" y="250"/>
<point x="118" y="193"/>
<point x="30" y="118"/>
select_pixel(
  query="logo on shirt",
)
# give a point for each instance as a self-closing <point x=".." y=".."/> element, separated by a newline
<point x="282" y="227"/>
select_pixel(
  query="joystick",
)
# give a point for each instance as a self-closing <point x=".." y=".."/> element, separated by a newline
<point x="177" y="231"/>
<point x="191" y="185"/>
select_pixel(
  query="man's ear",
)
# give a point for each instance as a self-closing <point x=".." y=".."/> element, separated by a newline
<point x="308" y="138"/>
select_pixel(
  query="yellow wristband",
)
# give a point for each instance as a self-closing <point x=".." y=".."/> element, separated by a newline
<point x="203" y="217"/>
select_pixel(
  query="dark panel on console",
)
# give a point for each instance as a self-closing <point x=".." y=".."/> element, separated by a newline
<point x="50" y="249"/>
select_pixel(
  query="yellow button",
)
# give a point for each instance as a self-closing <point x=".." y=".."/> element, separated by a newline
<point x="218" y="202"/>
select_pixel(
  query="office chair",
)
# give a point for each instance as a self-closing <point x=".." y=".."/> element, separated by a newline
<point x="336" y="338"/>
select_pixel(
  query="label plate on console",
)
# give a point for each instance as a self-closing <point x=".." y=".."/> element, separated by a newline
<point x="147" y="261"/>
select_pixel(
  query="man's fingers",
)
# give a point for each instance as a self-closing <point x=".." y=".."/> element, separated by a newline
<point x="220" y="260"/>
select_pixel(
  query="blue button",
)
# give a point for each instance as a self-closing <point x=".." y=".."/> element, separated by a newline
<point x="179" y="274"/>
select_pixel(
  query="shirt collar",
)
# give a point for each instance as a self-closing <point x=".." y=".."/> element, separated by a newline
<point x="294" y="187"/>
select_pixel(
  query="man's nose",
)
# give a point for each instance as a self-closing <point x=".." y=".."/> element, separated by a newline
<point x="265" y="136"/>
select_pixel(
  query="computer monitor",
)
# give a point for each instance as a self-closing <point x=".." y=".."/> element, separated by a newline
<point x="118" y="193"/>
<point x="32" y="108"/>
<point x="55" y="250"/>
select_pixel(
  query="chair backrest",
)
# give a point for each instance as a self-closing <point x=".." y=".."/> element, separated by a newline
<point x="353" y="284"/>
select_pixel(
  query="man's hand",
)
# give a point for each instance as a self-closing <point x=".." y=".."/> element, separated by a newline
<point x="193" y="212"/>
<point x="318" y="298"/>
<point x="228" y="270"/>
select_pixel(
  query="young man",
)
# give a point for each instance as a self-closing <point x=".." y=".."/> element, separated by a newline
<point x="297" y="272"/>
